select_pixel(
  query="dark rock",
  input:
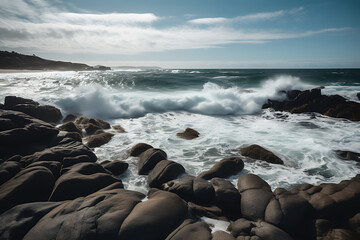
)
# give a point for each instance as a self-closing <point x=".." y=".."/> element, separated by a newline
<point x="29" y="185"/>
<point x="155" y="218"/>
<point x="227" y="197"/>
<point x="323" y="226"/>
<point x="69" y="161"/>
<point x="6" y="124"/>
<point x="53" y="166"/>
<point x="183" y="187"/>
<point x="66" y="148"/>
<point x="347" y="155"/>
<point x="8" y="169"/>
<point x="99" y="139"/>
<point x="69" y="118"/>
<point x="81" y="180"/>
<point x="97" y="216"/>
<point x="358" y="95"/>
<point x="16" y="222"/>
<point x="119" y="129"/>
<point x="221" y="235"/>
<point x="257" y="152"/>
<point x="190" y="229"/>
<point x="354" y="224"/>
<point x="188" y="134"/>
<point x="70" y="127"/>
<point x="149" y="159"/>
<point x="292" y="94"/>
<point x="203" y="191"/>
<point x="241" y="227"/>
<point x="46" y="113"/>
<point x="225" y="168"/>
<point x="209" y="211"/>
<point x="267" y="231"/>
<point x="116" y="167"/>
<point x="82" y="121"/>
<point x="91" y="128"/>
<point x="255" y="196"/>
<point x="139" y="149"/>
<point x="11" y="101"/>
<point x="163" y="172"/>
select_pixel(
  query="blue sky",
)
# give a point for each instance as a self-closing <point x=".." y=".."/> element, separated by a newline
<point x="186" y="34"/>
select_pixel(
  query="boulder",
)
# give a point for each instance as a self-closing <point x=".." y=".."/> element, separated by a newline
<point x="53" y="166"/>
<point x="70" y="127"/>
<point x="116" y="167"/>
<point x="163" y="172"/>
<point x="96" y="216"/>
<point x="81" y="180"/>
<point x="354" y="224"/>
<point x="191" y="229"/>
<point x="46" y="113"/>
<point x="209" y="211"/>
<point x="29" y="185"/>
<point x="99" y="139"/>
<point x="17" y="221"/>
<point x="69" y="118"/>
<point x="203" y="191"/>
<point x="227" y="197"/>
<point x="348" y="155"/>
<point x="149" y="159"/>
<point x="183" y="187"/>
<point x="69" y="161"/>
<point x="257" y="152"/>
<point x="8" y="169"/>
<point x="188" y="134"/>
<point x="221" y="235"/>
<point x="241" y="227"/>
<point x="358" y="95"/>
<point x="155" y="218"/>
<point x="91" y="128"/>
<point x="119" y="129"/>
<point x="225" y="168"/>
<point x="139" y="149"/>
<point x="82" y="121"/>
<point x="11" y="101"/>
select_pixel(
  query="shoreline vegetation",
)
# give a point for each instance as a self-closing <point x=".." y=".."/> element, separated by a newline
<point x="52" y="187"/>
<point x="11" y="62"/>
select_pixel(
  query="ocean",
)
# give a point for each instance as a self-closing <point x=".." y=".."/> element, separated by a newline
<point x="224" y="105"/>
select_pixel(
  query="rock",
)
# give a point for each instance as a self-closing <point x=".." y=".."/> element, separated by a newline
<point x="66" y="148"/>
<point x="347" y="155"/>
<point x="116" y="167"/>
<point x="209" y="211"/>
<point x="8" y="169"/>
<point x="183" y="187"/>
<point x="70" y="161"/>
<point x="227" y="197"/>
<point x="358" y="95"/>
<point x="257" y="152"/>
<point x="188" y="134"/>
<point x="225" y="168"/>
<point x="11" y="101"/>
<point x="241" y="227"/>
<point x="255" y="196"/>
<point x="53" y="166"/>
<point x="354" y="224"/>
<point x="267" y="231"/>
<point x="70" y="127"/>
<point x="149" y="159"/>
<point x="155" y="218"/>
<point x="97" y="216"/>
<point x="119" y="129"/>
<point x="99" y="139"/>
<point x="16" y="222"/>
<point x="221" y="235"/>
<point x="334" y="202"/>
<point x="91" y="128"/>
<point x="139" y="149"/>
<point x="82" y="121"/>
<point x="29" y="185"/>
<point x="163" y="172"/>
<point x="312" y="101"/>
<point x="191" y="229"/>
<point x="69" y="118"/>
<point x="81" y="180"/>
<point x="203" y="191"/>
<point x="46" y="113"/>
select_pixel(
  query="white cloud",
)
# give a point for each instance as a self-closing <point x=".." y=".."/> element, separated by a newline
<point x="56" y="30"/>
<point x="249" y="17"/>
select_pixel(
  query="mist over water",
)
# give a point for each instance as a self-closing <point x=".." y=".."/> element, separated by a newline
<point x="223" y="105"/>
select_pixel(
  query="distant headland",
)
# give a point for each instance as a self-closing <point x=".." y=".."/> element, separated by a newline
<point x="16" y="61"/>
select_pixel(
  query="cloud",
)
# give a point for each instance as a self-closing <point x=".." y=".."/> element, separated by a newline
<point x="56" y="30"/>
<point x="249" y="17"/>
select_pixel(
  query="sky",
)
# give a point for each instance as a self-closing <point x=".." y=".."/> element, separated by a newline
<point x="186" y="34"/>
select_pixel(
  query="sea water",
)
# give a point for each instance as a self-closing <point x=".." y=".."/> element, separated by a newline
<point x="224" y="105"/>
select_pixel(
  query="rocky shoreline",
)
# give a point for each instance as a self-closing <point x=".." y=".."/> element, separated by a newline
<point x="52" y="187"/>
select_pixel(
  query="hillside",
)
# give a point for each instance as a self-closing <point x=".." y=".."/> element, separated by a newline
<point x="13" y="60"/>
